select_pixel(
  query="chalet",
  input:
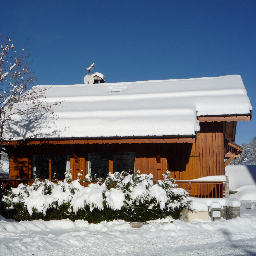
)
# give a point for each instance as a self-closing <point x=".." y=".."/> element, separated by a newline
<point x="186" y="126"/>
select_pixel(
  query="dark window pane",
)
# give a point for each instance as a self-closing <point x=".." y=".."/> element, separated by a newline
<point x="124" y="162"/>
<point x="59" y="167"/>
<point x="40" y="167"/>
<point x="99" y="165"/>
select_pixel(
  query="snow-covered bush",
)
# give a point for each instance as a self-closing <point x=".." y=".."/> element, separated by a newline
<point x="120" y="196"/>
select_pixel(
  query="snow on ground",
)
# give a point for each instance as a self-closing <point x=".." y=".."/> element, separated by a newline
<point x="224" y="237"/>
<point x="164" y="237"/>
<point x="242" y="178"/>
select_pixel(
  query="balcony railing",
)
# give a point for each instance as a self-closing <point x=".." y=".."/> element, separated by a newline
<point x="203" y="189"/>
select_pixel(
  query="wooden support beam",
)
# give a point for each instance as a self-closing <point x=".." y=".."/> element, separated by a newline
<point x="228" y="155"/>
<point x="228" y="161"/>
<point x="50" y="169"/>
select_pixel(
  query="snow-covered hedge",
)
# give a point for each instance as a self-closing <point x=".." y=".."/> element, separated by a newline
<point x="120" y="196"/>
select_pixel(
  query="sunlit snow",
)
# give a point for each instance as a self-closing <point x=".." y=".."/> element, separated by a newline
<point x="150" y="108"/>
<point x="161" y="237"/>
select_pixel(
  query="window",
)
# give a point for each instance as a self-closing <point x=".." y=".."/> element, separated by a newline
<point x="98" y="166"/>
<point x="124" y="162"/>
<point x="58" y="167"/>
<point x="98" y="163"/>
<point x="40" y="168"/>
<point x="50" y="167"/>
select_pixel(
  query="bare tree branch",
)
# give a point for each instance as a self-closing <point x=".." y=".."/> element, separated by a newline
<point x="22" y="112"/>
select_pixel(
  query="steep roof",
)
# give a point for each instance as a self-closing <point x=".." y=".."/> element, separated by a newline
<point x="148" y="108"/>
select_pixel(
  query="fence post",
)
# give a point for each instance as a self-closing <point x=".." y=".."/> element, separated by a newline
<point x="223" y="190"/>
<point x="190" y="188"/>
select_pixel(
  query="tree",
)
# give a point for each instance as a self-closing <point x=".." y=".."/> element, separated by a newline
<point x="20" y="105"/>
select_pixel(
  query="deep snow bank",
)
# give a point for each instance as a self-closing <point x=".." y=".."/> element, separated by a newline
<point x="242" y="178"/>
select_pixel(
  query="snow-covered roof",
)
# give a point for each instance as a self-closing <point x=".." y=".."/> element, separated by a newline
<point x="148" y="108"/>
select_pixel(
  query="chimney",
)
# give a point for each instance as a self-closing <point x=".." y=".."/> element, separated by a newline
<point x="95" y="78"/>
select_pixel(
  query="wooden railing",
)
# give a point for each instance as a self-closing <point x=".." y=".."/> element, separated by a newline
<point x="203" y="189"/>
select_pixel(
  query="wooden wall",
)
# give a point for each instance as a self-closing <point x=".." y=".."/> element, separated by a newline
<point x="211" y="148"/>
<point x="204" y="157"/>
<point x="186" y="161"/>
<point x="210" y="144"/>
<point x="20" y="167"/>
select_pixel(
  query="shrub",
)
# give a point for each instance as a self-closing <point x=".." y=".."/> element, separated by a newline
<point x="120" y="196"/>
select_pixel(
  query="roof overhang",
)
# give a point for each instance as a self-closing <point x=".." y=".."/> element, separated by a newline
<point x="227" y="118"/>
<point x="103" y="140"/>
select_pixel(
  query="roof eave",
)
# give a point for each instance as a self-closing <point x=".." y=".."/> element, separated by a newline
<point x="104" y="140"/>
<point x="227" y="118"/>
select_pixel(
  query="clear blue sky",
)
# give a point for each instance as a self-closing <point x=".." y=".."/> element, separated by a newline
<point x="138" y="40"/>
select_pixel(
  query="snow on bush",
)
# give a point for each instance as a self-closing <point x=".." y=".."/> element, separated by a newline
<point x="119" y="195"/>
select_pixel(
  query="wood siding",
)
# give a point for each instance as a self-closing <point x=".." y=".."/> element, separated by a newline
<point x="20" y="167"/>
<point x="211" y="148"/>
<point x="187" y="159"/>
<point x="204" y="157"/>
